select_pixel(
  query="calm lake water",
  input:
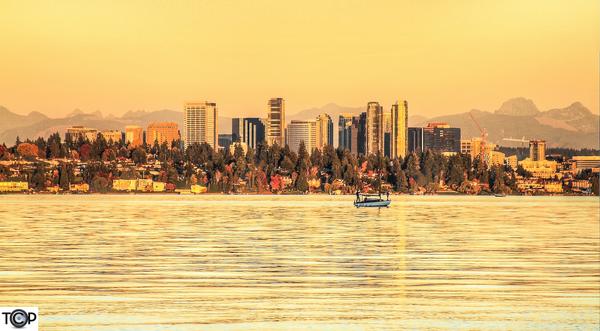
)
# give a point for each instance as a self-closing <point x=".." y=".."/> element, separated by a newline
<point x="165" y="262"/>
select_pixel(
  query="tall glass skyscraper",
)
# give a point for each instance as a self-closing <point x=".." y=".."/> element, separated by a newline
<point x="399" y="136"/>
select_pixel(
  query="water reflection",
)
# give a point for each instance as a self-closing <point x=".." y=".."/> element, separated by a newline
<point x="284" y="262"/>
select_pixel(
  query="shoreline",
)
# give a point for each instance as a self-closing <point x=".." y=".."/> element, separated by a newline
<point x="444" y="193"/>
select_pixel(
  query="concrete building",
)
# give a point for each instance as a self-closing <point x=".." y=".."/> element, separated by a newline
<point x="496" y="158"/>
<point x="114" y="135"/>
<point x="541" y="169"/>
<point x="134" y="135"/>
<point x="474" y="146"/>
<point x="76" y="132"/>
<point x="162" y="132"/>
<point x="324" y="131"/>
<point x="276" y="122"/>
<point x="302" y="131"/>
<point x="399" y="129"/>
<point x="586" y="162"/>
<point x="374" y="132"/>
<point x="465" y="146"/>
<point x="511" y="161"/>
<point x="200" y="123"/>
<point x="537" y="150"/>
<point x="478" y="147"/>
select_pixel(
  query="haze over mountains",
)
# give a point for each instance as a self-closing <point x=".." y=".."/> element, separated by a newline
<point x="573" y="126"/>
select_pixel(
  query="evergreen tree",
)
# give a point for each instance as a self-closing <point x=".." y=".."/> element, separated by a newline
<point x="316" y="158"/>
<point x="37" y="180"/>
<point x="301" y="182"/>
<point x="456" y="171"/>
<point x="411" y="166"/>
<point x="139" y="155"/>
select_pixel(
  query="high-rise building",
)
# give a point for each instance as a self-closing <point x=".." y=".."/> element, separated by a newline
<point x="134" y="135"/>
<point x="298" y="131"/>
<point x="162" y="132"/>
<point x="112" y="135"/>
<point x="474" y="146"/>
<point x="375" y="128"/>
<point x="361" y="133"/>
<point x="276" y="122"/>
<point x="236" y="129"/>
<point x="415" y="140"/>
<point x="399" y="119"/>
<point x="324" y="133"/>
<point x="537" y="150"/>
<point x="440" y="137"/>
<point x="200" y="123"/>
<point x="253" y="131"/>
<point x="344" y="131"/>
<point x="78" y="131"/>
<point x="386" y="132"/>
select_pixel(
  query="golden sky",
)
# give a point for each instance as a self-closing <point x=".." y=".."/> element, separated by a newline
<point x="442" y="56"/>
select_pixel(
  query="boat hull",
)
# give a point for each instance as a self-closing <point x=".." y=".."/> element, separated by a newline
<point x="384" y="203"/>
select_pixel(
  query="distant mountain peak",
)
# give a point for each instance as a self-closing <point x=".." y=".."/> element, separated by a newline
<point x="36" y="115"/>
<point x="518" y="107"/>
<point x="577" y="104"/>
<point x="97" y="113"/>
<point x="75" y="112"/>
<point x="4" y="110"/>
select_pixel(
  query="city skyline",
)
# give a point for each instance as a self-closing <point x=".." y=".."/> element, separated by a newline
<point x="449" y="57"/>
<point x="278" y="165"/>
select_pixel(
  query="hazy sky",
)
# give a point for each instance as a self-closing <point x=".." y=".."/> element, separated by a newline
<point x="442" y="56"/>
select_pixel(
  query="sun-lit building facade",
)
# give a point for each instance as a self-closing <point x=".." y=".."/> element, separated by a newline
<point x="374" y="130"/>
<point x="112" y="135"/>
<point x="200" y="123"/>
<point x="134" y="135"/>
<point x="399" y="130"/>
<point x="324" y="131"/>
<point x="76" y="132"/>
<point x="537" y="150"/>
<point x="540" y="169"/>
<point x="162" y="132"/>
<point x="276" y="122"/>
<point x="299" y="131"/>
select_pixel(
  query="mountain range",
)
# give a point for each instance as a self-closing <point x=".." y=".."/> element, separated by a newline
<point x="574" y="126"/>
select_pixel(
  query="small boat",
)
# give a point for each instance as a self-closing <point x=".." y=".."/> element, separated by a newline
<point x="371" y="200"/>
<point x="500" y="195"/>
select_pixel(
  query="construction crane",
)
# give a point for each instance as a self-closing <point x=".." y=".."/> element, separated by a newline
<point x="522" y="140"/>
<point x="484" y="135"/>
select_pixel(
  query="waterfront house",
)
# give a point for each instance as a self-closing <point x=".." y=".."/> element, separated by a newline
<point x="14" y="186"/>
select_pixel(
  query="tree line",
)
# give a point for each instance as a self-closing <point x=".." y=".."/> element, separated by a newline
<point x="266" y="169"/>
